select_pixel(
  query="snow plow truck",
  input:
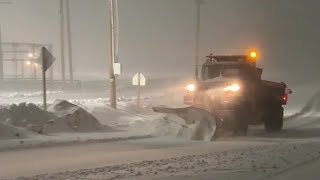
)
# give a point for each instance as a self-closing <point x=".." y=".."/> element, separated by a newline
<point x="229" y="95"/>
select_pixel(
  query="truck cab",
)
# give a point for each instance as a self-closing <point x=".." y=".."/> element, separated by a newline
<point x="228" y="67"/>
<point x="220" y="75"/>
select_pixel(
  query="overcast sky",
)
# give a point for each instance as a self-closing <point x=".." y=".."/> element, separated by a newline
<point x="157" y="36"/>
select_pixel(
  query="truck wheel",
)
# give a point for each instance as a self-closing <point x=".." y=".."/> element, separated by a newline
<point x="273" y="120"/>
<point x="242" y="115"/>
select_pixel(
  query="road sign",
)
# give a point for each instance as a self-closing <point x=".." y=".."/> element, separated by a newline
<point x="117" y="69"/>
<point x="45" y="59"/>
<point x="139" y="80"/>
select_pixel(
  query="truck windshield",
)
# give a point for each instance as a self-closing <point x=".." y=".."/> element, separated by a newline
<point x="211" y="72"/>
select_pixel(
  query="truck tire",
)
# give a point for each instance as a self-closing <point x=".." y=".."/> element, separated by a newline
<point x="242" y="115"/>
<point x="273" y="120"/>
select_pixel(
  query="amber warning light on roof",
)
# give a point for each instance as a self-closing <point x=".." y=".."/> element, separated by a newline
<point x="253" y="55"/>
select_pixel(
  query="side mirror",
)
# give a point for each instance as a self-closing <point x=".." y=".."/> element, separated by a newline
<point x="290" y="91"/>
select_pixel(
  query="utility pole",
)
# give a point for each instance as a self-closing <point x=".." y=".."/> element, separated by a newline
<point x="63" y="64"/>
<point x="1" y="59"/>
<point x="112" y="78"/>
<point x="116" y="34"/>
<point x="69" y="35"/>
<point x="197" y="46"/>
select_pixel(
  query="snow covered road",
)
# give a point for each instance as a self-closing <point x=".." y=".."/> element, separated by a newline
<point x="308" y="170"/>
<point x="67" y="158"/>
<point x="260" y="155"/>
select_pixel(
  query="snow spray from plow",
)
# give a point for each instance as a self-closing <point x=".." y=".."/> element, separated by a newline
<point x="311" y="106"/>
<point x="200" y="121"/>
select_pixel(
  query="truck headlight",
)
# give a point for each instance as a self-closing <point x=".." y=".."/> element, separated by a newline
<point x="191" y="87"/>
<point x="234" y="88"/>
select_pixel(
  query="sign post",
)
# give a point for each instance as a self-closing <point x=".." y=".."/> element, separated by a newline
<point x="138" y="80"/>
<point x="45" y="59"/>
<point x="44" y="88"/>
<point x="138" y="92"/>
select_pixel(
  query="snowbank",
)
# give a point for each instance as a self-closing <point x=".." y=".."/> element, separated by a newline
<point x="8" y="131"/>
<point x="24" y="115"/>
<point x="72" y="118"/>
<point x="131" y="107"/>
<point x="16" y="120"/>
<point x="103" y="101"/>
<point x="115" y="117"/>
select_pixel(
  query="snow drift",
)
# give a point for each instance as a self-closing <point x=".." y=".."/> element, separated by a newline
<point x="72" y="118"/>
<point x="8" y="131"/>
<point x="312" y="105"/>
<point x="24" y="115"/>
<point x="17" y="120"/>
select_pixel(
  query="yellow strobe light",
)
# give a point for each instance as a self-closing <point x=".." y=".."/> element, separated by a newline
<point x="253" y="55"/>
